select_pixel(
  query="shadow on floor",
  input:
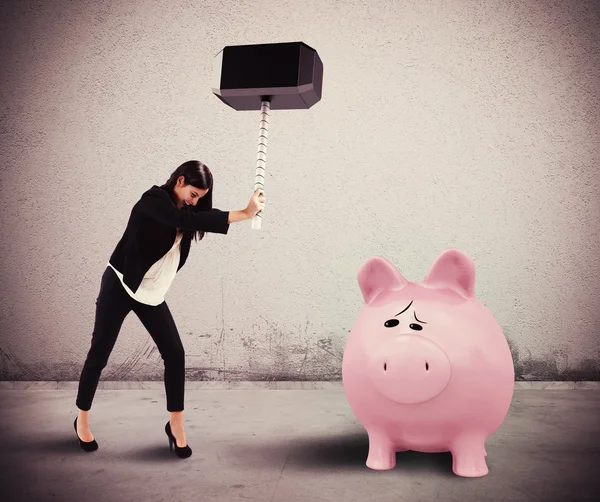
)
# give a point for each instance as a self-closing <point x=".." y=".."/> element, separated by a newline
<point x="351" y="450"/>
<point x="343" y="451"/>
<point x="53" y="445"/>
<point x="68" y="445"/>
<point x="151" y="453"/>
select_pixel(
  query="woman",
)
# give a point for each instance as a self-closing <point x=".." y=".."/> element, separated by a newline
<point x="140" y="271"/>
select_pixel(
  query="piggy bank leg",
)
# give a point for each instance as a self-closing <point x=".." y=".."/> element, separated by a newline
<point x="468" y="457"/>
<point x="382" y="453"/>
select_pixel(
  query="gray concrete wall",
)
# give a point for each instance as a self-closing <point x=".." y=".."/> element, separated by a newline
<point x="443" y="124"/>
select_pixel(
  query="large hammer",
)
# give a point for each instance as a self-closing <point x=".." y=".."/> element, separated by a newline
<point x="283" y="76"/>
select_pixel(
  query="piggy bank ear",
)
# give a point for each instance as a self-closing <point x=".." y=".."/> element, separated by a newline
<point x="455" y="270"/>
<point x="378" y="274"/>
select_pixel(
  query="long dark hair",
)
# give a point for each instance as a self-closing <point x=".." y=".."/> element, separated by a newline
<point x="197" y="174"/>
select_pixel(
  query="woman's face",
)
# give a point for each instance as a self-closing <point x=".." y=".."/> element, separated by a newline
<point x="187" y="194"/>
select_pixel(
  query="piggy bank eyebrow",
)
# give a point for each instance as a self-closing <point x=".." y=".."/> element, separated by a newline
<point x="415" y="314"/>
<point x="405" y="309"/>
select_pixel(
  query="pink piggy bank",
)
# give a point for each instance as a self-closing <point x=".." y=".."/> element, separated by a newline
<point x="426" y="366"/>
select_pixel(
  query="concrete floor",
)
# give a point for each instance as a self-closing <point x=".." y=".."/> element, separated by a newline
<point x="282" y="445"/>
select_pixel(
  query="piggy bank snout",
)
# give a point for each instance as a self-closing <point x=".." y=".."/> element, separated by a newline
<point x="410" y="369"/>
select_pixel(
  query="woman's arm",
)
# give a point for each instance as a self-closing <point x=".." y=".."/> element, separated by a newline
<point x="235" y="216"/>
<point x="159" y="206"/>
<point x="256" y="203"/>
<point x="163" y="210"/>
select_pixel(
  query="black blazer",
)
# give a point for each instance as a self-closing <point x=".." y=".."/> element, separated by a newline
<point x="151" y="232"/>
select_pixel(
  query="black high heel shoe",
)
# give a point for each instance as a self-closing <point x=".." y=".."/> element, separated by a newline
<point x="183" y="452"/>
<point x="85" y="445"/>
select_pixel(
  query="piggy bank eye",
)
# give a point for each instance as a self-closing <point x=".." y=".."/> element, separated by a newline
<point x="416" y="327"/>
<point x="391" y="323"/>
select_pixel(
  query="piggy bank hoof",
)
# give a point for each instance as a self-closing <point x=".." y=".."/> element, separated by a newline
<point x="380" y="465"/>
<point x="471" y="472"/>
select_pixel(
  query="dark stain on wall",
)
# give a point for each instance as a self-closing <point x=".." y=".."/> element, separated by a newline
<point x="553" y="366"/>
<point x="12" y="368"/>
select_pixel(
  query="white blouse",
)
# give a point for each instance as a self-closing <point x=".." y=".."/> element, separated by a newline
<point x="158" y="279"/>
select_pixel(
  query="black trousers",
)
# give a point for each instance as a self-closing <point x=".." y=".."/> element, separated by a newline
<point x="112" y="306"/>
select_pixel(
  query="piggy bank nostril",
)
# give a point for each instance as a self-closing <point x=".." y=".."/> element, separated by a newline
<point x="426" y="366"/>
<point x="384" y="366"/>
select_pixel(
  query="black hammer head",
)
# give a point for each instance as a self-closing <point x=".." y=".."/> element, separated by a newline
<point x="289" y="75"/>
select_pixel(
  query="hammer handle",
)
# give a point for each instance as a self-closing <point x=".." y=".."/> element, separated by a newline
<point x="261" y="158"/>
